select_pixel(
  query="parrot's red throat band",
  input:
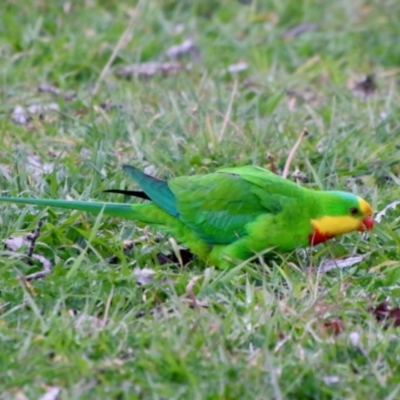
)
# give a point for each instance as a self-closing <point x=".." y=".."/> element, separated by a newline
<point x="317" y="237"/>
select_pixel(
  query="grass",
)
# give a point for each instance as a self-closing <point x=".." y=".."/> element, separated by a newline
<point x="275" y="330"/>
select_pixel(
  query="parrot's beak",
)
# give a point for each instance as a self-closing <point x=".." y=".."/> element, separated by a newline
<point x="366" y="224"/>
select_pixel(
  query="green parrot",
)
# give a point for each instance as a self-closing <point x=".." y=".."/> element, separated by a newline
<point x="233" y="213"/>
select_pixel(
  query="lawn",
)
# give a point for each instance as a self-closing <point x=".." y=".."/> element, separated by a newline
<point x="179" y="88"/>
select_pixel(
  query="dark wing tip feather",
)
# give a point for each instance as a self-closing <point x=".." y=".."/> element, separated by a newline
<point x="135" y="193"/>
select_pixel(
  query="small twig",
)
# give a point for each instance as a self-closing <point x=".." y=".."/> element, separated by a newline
<point x="190" y="290"/>
<point x="33" y="237"/>
<point x="293" y="152"/>
<point x="14" y="243"/>
<point x="5" y="305"/>
<point x="46" y="268"/>
<point x="122" y="42"/>
<point x="228" y="111"/>
<point x="37" y="275"/>
<point x="231" y="123"/>
<point x="271" y="160"/>
<point x="108" y="304"/>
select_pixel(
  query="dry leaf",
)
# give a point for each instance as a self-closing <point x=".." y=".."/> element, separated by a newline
<point x="192" y="300"/>
<point x="187" y="47"/>
<point x="328" y="265"/>
<point x="364" y="88"/>
<point x="239" y="67"/>
<point x="392" y="206"/>
<point x="299" y="176"/>
<point x="298" y="30"/>
<point x="51" y="393"/>
<point x="192" y="282"/>
<point x="384" y="313"/>
<point x="37" y="168"/>
<point x="150" y="169"/>
<point x="108" y="105"/>
<point x="334" y="325"/>
<point x="298" y="97"/>
<point x="149" y="69"/>
<point x="144" y="276"/>
<point x="13" y="243"/>
<point x="193" y="303"/>
<point x="20" y="116"/>
<point x="49" y="88"/>
<point x="43" y="108"/>
<point x="114" y="362"/>
<point x="14" y="394"/>
<point x="331" y="379"/>
<point x="86" y="321"/>
<point x="354" y="338"/>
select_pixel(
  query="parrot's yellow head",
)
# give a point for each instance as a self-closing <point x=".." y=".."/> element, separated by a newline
<point x="342" y="213"/>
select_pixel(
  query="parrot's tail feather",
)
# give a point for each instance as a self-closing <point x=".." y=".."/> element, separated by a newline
<point x="148" y="213"/>
<point x="143" y="214"/>
<point x="112" y="209"/>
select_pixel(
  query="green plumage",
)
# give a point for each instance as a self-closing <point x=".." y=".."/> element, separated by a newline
<point x="225" y="216"/>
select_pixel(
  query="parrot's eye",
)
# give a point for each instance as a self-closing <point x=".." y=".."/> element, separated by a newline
<point x="353" y="211"/>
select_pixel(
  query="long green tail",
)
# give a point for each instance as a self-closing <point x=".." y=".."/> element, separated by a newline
<point x="113" y="209"/>
<point x="143" y="214"/>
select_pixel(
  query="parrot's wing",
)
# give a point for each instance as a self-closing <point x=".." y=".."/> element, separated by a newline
<point x="218" y="207"/>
